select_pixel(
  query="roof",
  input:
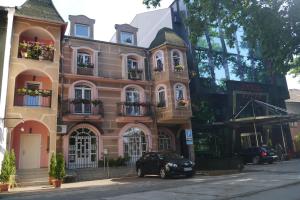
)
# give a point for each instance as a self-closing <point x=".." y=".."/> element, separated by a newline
<point x="167" y="36"/>
<point x="294" y="95"/>
<point x="40" y="9"/>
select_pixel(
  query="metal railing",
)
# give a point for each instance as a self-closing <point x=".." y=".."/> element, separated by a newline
<point x="82" y="107"/>
<point x="134" y="109"/>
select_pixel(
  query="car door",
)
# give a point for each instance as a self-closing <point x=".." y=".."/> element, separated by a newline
<point x="154" y="164"/>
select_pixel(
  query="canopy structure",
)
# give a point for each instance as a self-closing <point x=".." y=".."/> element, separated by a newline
<point x="274" y="116"/>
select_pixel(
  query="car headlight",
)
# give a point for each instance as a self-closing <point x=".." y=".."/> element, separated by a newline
<point x="172" y="165"/>
<point x="192" y="163"/>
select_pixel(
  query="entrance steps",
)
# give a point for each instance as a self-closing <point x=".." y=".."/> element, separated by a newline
<point x="32" y="177"/>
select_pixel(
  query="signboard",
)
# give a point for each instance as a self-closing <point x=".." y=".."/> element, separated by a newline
<point x="189" y="136"/>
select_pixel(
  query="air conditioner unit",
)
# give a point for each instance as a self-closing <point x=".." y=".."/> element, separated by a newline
<point x="61" y="129"/>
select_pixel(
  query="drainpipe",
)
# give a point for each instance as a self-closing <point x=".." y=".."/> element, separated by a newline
<point x="8" y="41"/>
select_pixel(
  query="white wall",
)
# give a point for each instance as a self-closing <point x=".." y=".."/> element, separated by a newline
<point x="3" y="89"/>
<point x="149" y="23"/>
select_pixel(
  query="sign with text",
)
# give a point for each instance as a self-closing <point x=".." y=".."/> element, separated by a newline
<point x="189" y="136"/>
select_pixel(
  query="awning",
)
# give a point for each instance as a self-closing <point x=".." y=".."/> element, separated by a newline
<point x="264" y="120"/>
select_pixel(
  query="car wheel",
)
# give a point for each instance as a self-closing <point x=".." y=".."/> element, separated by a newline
<point x="270" y="162"/>
<point x="162" y="173"/>
<point x="140" y="173"/>
<point x="189" y="175"/>
<point x="255" y="160"/>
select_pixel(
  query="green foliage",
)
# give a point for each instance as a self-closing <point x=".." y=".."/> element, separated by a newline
<point x="60" y="167"/>
<point x="203" y="112"/>
<point x="52" y="165"/>
<point x="13" y="163"/>
<point x="271" y="28"/>
<point x="8" y="166"/>
<point x="118" y="162"/>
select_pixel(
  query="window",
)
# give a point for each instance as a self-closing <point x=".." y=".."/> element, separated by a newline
<point x="82" y="30"/>
<point x="159" y="61"/>
<point x="164" y="141"/>
<point x="82" y="101"/>
<point x="127" y="38"/>
<point x="161" y="97"/>
<point x="83" y="59"/>
<point x="179" y="95"/>
<point x="133" y="72"/>
<point x="135" y="144"/>
<point x="176" y="61"/>
<point x="132" y="102"/>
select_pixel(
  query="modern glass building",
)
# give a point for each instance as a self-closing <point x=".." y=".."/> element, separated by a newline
<point x="224" y="79"/>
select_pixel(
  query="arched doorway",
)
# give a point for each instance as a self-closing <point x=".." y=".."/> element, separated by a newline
<point x="30" y="142"/>
<point x="135" y="143"/>
<point x="83" y="149"/>
<point x="184" y="150"/>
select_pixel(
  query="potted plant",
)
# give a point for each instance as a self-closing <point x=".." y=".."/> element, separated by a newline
<point x="52" y="168"/>
<point x="59" y="170"/>
<point x="182" y="103"/>
<point x="178" y="68"/>
<point x="5" y="173"/>
<point x="96" y="102"/>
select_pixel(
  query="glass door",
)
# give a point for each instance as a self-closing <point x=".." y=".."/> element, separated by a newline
<point x="32" y="100"/>
<point x="132" y="102"/>
<point x="83" y="100"/>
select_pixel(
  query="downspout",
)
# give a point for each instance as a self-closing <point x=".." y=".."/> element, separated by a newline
<point x="8" y="41"/>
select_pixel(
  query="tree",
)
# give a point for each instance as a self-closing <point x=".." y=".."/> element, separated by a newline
<point x="271" y="27"/>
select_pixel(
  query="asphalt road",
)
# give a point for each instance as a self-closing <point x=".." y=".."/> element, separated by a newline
<point x="276" y="181"/>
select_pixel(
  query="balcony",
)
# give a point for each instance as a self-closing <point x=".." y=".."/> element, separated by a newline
<point x="135" y="74"/>
<point x="85" y="69"/>
<point x="33" y="98"/>
<point x="36" y="50"/>
<point x="133" y="112"/>
<point x="82" y="109"/>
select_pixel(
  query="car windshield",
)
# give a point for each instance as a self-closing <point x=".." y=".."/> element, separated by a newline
<point x="169" y="156"/>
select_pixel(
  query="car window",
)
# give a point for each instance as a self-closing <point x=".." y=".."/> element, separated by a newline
<point x="146" y="156"/>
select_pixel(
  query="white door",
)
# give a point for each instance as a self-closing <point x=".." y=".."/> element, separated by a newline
<point x="30" y="151"/>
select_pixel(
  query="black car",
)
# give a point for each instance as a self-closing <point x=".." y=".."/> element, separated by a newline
<point x="164" y="164"/>
<point x="258" y="155"/>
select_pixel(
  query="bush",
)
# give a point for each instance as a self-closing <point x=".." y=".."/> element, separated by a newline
<point x="118" y="162"/>
<point x="6" y="169"/>
<point x="59" y="167"/>
<point x="52" y="165"/>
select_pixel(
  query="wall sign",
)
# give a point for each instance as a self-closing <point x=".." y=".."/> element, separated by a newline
<point x="189" y="136"/>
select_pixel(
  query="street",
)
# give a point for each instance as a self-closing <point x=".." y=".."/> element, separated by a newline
<point x="280" y="180"/>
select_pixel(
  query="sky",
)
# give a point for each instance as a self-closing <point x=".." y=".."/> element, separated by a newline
<point x="107" y="13"/>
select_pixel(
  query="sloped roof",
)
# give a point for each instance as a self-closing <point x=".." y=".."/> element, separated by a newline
<point x="40" y="9"/>
<point x="167" y="36"/>
<point x="294" y="95"/>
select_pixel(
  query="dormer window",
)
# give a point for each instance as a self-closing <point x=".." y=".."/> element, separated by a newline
<point x="82" y="30"/>
<point x="127" y="38"/>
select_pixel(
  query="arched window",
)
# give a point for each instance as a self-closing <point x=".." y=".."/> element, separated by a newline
<point x="83" y="59"/>
<point x="164" y="141"/>
<point x="135" y="144"/>
<point x="180" y="95"/>
<point x="159" y="61"/>
<point x="83" y="149"/>
<point x="179" y="92"/>
<point x="132" y="102"/>
<point x="176" y="61"/>
<point x="161" y="97"/>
